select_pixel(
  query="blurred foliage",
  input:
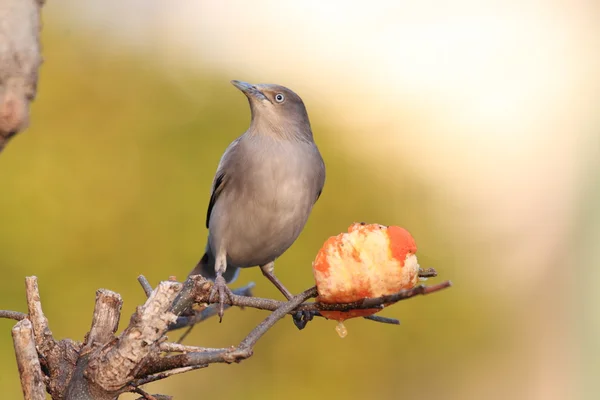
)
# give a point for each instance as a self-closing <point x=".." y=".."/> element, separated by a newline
<point x="112" y="180"/>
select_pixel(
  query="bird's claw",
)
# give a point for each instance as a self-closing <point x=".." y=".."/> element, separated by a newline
<point x="301" y="318"/>
<point x="218" y="293"/>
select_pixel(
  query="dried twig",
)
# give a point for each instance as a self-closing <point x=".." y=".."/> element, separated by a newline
<point x="17" y="316"/>
<point x="210" y="311"/>
<point x="378" y="302"/>
<point x="32" y="382"/>
<point x="145" y="285"/>
<point x="427" y="273"/>
<point x="105" y="366"/>
<point x="43" y="336"/>
<point x="237" y="354"/>
<point x="169" y="347"/>
<point x="162" y="375"/>
<point x="148" y="396"/>
<point x="383" y="320"/>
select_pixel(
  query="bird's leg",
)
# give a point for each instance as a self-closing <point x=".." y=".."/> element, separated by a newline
<point x="268" y="271"/>
<point x="220" y="287"/>
<point x="301" y="318"/>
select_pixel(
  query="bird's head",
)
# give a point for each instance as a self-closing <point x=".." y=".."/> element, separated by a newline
<point x="276" y="110"/>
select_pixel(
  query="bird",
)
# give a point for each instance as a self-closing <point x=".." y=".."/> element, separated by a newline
<point x="264" y="189"/>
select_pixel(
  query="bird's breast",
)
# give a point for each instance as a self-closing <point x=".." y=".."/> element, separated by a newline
<point x="264" y="212"/>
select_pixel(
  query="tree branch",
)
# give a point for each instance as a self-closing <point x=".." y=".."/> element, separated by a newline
<point x="117" y="366"/>
<point x="17" y="316"/>
<point x="210" y="311"/>
<point x="32" y="382"/>
<point x="383" y="320"/>
<point x="104" y="366"/>
<point x="377" y="302"/>
<point x="235" y="354"/>
<point x="427" y="273"/>
<point x="20" y="58"/>
<point x="105" y="321"/>
<point x="43" y="336"/>
<point x="57" y="358"/>
<point x="145" y="285"/>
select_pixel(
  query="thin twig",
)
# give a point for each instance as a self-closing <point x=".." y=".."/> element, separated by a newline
<point x="210" y="311"/>
<point x="162" y="375"/>
<point x="145" y="285"/>
<point x="190" y="329"/>
<point x="237" y="354"/>
<point x="427" y="273"/>
<point x="17" y="316"/>
<point x="288" y="307"/>
<point x="377" y="302"/>
<point x="245" y="348"/>
<point x="148" y="396"/>
<point x="310" y="309"/>
<point x="169" y="347"/>
<point x="383" y="320"/>
<point x="157" y="397"/>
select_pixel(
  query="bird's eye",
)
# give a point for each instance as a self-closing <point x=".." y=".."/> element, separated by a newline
<point x="279" y="97"/>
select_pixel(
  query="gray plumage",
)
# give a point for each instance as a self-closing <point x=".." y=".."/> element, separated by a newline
<point x="264" y="189"/>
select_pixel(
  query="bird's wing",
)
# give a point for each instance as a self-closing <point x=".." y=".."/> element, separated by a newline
<point x="221" y="178"/>
<point x="320" y="179"/>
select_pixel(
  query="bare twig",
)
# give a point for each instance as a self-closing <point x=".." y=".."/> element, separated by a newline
<point x="148" y="396"/>
<point x="169" y="347"/>
<point x="312" y="309"/>
<point x="145" y="285"/>
<point x="32" y="382"/>
<point x="162" y="375"/>
<point x="237" y="354"/>
<point x="378" y="302"/>
<point x="427" y="273"/>
<point x="190" y="329"/>
<point x="383" y="320"/>
<point x="374" y="318"/>
<point x="43" y="336"/>
<point x="17" y="316"/>
<point x="288" y="307"/>
<point x="184" y="321"/>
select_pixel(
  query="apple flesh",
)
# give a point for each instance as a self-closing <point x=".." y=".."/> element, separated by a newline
<point x="370" y="260"/>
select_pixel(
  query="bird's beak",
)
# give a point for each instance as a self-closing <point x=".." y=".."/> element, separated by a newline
<point x="250" y="90"/>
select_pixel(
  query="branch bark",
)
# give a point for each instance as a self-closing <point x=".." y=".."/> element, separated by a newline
<point x="104" y="374"/>
<point x="20" y="59"/>
<point x="105" y="322"/>
<point x="32" y="382"/>
<point x="104" y="366"/>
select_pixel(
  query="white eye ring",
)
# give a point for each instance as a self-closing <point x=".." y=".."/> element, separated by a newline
<point x="279" y="97"/>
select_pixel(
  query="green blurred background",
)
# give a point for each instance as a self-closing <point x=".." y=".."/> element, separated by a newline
<point x="112" y="180"/>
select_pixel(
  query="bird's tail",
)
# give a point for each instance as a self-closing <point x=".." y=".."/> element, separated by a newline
<point x="206" y="268"/>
